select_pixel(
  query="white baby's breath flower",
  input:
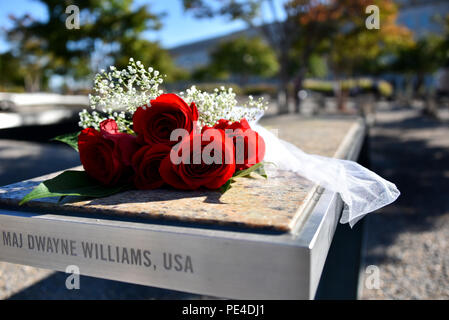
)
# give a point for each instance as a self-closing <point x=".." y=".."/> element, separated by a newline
<point x="118" y="93"/>
<point x="222" y="104"/>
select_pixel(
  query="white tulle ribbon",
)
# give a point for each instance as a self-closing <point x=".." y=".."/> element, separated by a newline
<point x="361" y="190"/>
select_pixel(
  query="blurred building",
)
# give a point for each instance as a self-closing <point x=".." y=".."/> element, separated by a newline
<point x="421" y="16"/>
<point x="196" y="54"/>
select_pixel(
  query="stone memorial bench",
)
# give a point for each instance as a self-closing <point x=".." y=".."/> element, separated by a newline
<point x="263" y="239"/>
<point x="37" y="109"/>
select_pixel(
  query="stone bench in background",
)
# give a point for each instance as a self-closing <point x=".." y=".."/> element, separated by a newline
<point x="31" y="109"/>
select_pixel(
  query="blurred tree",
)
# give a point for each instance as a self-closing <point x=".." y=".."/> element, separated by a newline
<point x="10" y="72"/>
<point x="424" y="57"/>
<point x="150" y="54"/>
<point x="421" y="58"/>
<point x="364" y="50"/>
<point x="445" y="42"/>
<point x="280" y="34"/>
<point x="27" y="55"/>
<point x="110" y="32"/>
<point x="208" y="73"/>
<point x="356" y="45"/>
<point x="443" y="45"/>
<point x="305" y="28"/>
<point x="339" y="28"/>
<point x="317" y="66"/>
<point x="244" y="57"/>
<point x="442" y="86"/>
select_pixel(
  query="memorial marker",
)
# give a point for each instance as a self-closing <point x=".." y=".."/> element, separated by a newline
<point x="264" y="242"/>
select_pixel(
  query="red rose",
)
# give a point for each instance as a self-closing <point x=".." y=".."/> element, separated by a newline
<point x="125" y="145"/>
<point x="146" y="163"/>
<point x="106" y="154"/>
<point x="249" y="145"/>
<point x="194" y="170"/>
<point x="226" y="124"/>
<point x="167" y="112"/>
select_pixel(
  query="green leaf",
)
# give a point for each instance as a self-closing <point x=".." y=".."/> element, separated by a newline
<point x="70" y="138"/>
<point x="261" y="172"/>
<point x="71" y="183"/>
<point x="257" y="168"/>
<point x="226" y="186"/>
<point x="247" y="172"/>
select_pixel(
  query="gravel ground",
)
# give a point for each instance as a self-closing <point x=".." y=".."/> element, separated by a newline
<point x="14" y="278"/>
<point x="409" y="240"/>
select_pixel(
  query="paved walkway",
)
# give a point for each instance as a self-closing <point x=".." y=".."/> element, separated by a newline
<point x="409" y="240"/>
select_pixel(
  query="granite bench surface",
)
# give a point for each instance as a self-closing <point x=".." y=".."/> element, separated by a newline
<point x="276" y="203"/>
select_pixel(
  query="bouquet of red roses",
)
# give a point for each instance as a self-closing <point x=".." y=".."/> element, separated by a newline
<point x="185" y="141"/>
<point x="138" y="137"/>
<point x="163" y="150"/>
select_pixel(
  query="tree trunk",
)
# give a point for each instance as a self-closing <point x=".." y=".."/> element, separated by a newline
<point x="341" y="97"/>
<point x="430" y="104"/>
<point x="420" y="89"/>
<point x="408" y="100"/>
<point x="283" y="87"/>
<point x="28" y="83"/>
<point x="32" y="82"/>
<point x="298" y="87"/>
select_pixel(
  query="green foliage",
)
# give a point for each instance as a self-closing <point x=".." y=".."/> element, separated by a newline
<point x="424" y="56"/>
<point x="29" y="54"/>
<point x="71" y="183"/>
<point x="358" y="49"/>
<point x="317" y="66"/>
<point x="226" y="186"/>
<point x="363" y="84"/>
<point x="233" y="10"/>
<point x="260" y="89"/>
<point x="318" y="85"/>
<point x="244" y="57"/>
<point x="11" y="74"/>
<point x="444" y="46"/>
<point x="149" y="53"/>
<point x="385" y="88"/>
<point x="70" y="139"/>
<point x="110" y="32"/>
<point x="256" y="168"/>
<point x="209" y="73"/>
<point x="305" y="31"/>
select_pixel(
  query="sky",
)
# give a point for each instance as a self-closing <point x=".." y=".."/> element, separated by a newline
<point x="178" y="27"/>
